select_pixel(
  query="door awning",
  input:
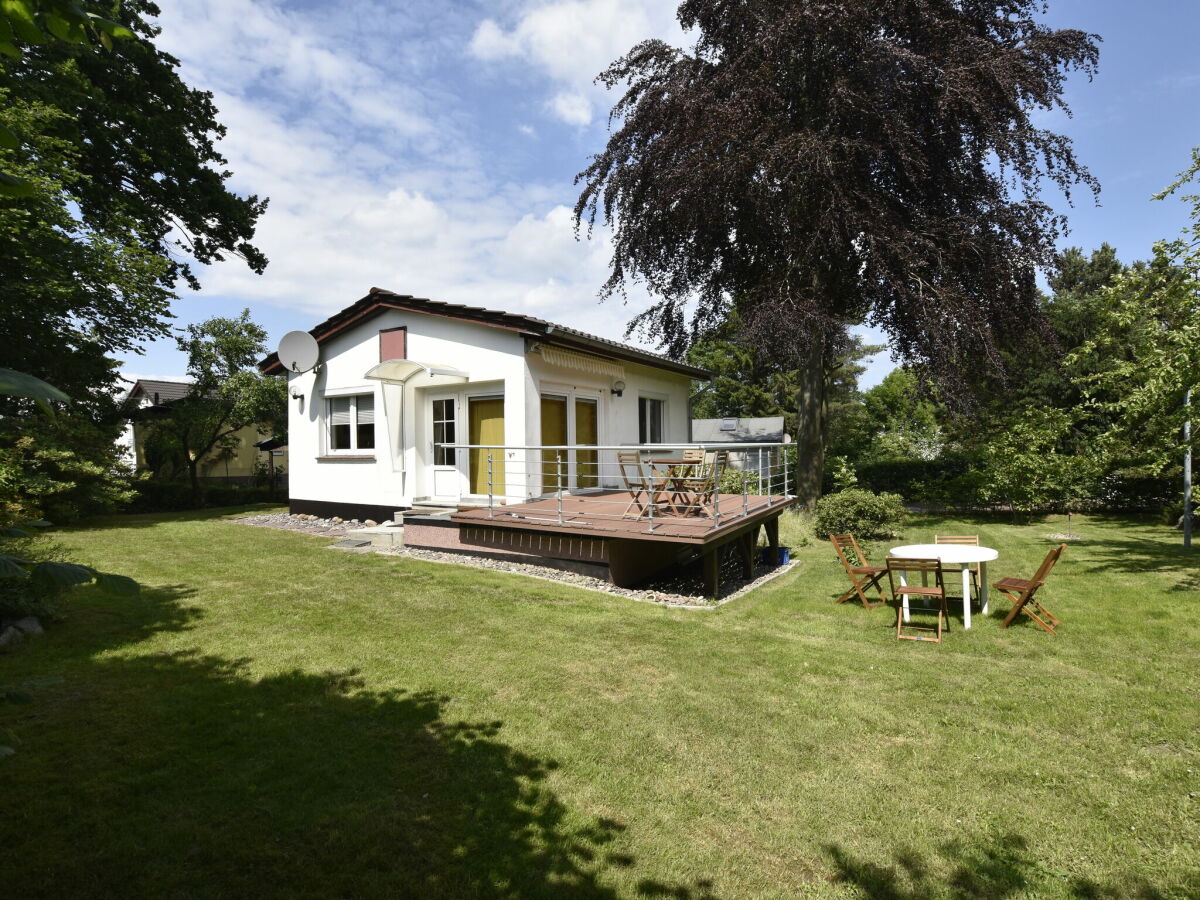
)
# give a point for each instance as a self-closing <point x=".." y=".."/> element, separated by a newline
<point x="399" y="371"/>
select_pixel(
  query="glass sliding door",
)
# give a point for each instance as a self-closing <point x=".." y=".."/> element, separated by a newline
<point x="554" y="433"/>
<point x="485" y="425"/>
<point x="587" y="421"/>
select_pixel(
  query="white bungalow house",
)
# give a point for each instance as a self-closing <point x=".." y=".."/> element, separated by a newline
<point x="400" y="375"/>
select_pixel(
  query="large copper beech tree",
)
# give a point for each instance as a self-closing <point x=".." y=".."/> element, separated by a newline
<point x="841" y="162"/>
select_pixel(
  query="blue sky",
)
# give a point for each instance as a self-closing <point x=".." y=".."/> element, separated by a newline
<point x="430" y="147"/>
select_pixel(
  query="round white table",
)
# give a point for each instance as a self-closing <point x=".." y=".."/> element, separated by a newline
<point x="960" y="555"/>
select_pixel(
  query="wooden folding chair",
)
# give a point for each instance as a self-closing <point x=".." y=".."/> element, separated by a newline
<point x="970" y="540"/>
<point x="1020" y="593"/>
<point x="680" y="478"/>
<point x="902" y="594"/>
<point x="637" y="484"/>
<point x="708" y="485"/>
<point x="863" y="575"/>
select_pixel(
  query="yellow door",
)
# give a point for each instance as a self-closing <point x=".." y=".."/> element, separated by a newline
<point x="587" y="465"/>
<point x="554" y="433"/>
<point x="486" y="426"/>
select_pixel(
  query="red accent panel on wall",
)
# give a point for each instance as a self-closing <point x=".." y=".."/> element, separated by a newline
<point x="393" y="343"/>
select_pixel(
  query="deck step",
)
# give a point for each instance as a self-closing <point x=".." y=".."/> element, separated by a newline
<point x="379" y="536"/>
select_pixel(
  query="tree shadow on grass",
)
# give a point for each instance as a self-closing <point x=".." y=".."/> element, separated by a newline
<point x="186" y="775"/>
<point x="1132" y="554"/>
<point x="998" y="870"/>
<point x="979" y="870"/>
<point x="122" y="521"/>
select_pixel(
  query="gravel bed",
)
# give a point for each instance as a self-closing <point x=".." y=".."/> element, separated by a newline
<point x="685" y="589"/>
<point x="681" y="589"/>
<point x="333" y="527"/>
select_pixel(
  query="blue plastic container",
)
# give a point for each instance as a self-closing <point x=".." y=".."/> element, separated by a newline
<point x="785" y="556"/>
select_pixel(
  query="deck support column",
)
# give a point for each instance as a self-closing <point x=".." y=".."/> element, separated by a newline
<point x="712" y="573"/>
<point x="772" y="527"/>
<point x="746" y="546"/>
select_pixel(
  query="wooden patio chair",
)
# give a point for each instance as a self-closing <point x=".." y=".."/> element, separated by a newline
<point x="637" y="483"/>
<point x="1021" y="591"/>
<point x="903" y="594"/>
<point x="696" y="489"/>
<point x="970" y="540"/>
<point x="863" y="575"/>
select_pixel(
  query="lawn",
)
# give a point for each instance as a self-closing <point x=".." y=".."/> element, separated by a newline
<point x="274" y="718"/>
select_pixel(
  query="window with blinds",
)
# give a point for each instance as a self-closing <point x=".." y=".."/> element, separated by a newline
<point x="351" y="422"/>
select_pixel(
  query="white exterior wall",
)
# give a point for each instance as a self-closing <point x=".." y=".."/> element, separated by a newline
<point x="399" y="471"/>
<point x="393" y="475"/>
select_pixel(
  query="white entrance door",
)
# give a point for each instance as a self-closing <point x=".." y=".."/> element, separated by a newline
<point x="446" y="476"/>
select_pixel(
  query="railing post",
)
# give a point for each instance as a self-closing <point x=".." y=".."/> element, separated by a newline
<point x="651" y="494"/>
<point x="746" y="493"/>
<point x="717" y="503"/>
<point x="490" y="491"/>
<point x="784" y="461"/>
<point x="558" y="454"/>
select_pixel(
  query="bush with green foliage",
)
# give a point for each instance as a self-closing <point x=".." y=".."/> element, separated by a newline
<point x="175" y="496"/>
<point x="862" y="513"/>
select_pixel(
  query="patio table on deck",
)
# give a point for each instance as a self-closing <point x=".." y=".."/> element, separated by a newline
<point x="961" y="555"/>
<point x="677" y="473"/>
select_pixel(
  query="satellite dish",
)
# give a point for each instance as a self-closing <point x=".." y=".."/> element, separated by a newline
<point x="298" y="351"/>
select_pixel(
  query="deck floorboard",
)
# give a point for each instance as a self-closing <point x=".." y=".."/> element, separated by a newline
<point x="602" y="514"/>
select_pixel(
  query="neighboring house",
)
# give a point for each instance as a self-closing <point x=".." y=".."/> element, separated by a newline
<point x="733" y="430"/>
<point x="399" y="375"/>
<point x="150" y="397"/>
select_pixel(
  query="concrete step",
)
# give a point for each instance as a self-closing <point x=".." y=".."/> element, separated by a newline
<point x="429" y="511"/>
<point x="380" y="535"/>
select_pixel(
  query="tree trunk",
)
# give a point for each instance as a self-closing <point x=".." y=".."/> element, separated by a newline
<point x="810" y="423"/>
<point x="194" y="477"/>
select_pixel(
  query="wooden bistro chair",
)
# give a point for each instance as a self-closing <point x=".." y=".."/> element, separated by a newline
<point x="970" y="540"/>
<point x="636" y="481"/>
<point x="1020" y="593"/>
<point x="699" y="485"/>
<point x="902" y="570"/>
<point x="863" y="575"/>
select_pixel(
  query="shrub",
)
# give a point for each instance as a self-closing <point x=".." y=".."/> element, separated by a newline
<point x="21" y="596"/>
<point x="174" y="496"/>
<point x="734" y="481"/>
<point x="861" y="513"/>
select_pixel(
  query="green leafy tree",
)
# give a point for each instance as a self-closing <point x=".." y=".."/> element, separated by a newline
<point x="227" y="394"/>
<point x="1144" y="355"/>
<point x="25" y="22"/>
<point x="1024" y="469"/>
<point x="119" y="191"/>
<point x="894" y="420"/>
<point x="748" y="382"/>
<point x="827" y="163"/>
<point x="28" y="584"/>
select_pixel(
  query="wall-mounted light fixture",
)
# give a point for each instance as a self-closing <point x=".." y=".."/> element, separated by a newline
<point x="618" y="388"/>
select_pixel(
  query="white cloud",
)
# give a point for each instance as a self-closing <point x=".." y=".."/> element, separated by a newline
<point x="572" y="107"/>
<point x="572" y="41"/>
<point x="377" y="170"/>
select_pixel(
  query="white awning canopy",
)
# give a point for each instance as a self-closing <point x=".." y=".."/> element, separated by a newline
<point x="395" y="375"/>
<point x="399" y="371"/>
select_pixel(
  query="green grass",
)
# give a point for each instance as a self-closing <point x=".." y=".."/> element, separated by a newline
<point x="274" y="718"/>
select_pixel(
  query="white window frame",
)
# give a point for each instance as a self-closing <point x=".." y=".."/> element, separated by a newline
<point x="352" y="395"/>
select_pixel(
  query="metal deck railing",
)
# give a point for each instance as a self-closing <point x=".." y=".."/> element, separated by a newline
<point x="639" y="487"/>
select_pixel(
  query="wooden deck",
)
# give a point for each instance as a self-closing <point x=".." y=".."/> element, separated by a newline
<point x="602" y="513"/>
<point x="593" y="535"/>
